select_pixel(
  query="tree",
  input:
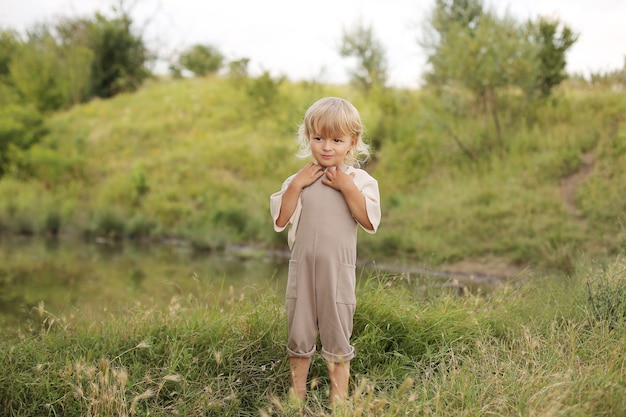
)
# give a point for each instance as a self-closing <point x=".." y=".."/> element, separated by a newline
<point x="480" y="52"/>
<point x="264" y="91"/>
<point x="119" y="54"/>
<point x="202" y="60"/>
<point x="9" y="42"/>
<point x="20" y="128"/>
<point x="371" y="68"/>
<point x="34" y="71"/>
<point x="472" y="48"/>
<point x="554" y="39"/>
<point x="238" y="69"/>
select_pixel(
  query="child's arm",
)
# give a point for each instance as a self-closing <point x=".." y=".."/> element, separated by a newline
<point x="354" y="198"/>
<point x="305" y="177"/>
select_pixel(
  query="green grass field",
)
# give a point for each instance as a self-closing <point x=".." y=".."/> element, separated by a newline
<point x="197" y="160"/>
<point x="553" y="346"/>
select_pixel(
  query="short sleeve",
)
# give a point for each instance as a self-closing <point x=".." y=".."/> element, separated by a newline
<point x="276" y="200"/>
<point x="369" y="187"/>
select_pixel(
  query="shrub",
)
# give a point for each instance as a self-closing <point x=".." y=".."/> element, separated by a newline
<point x="202" y="60"/>
<point x="607" y="294"/>
<point x="20" y="128"/>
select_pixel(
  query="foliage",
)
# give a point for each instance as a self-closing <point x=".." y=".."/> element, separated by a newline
<point x="58" y="66"/>
<point x="20" y="128"/>
<point x="9" y="42"/>
<point x="202" y="60"/>
<point x="196" y="160"/>
<point x="476" y="50"/>
<point x="613" y="79"/>
<point x="554" y="39"/>
<point x="119" y="52"/>
<point x="264" y="91"/>
<point x="238" y="69"/>
<point x="472" y="48"/>
<point x="418" y="353"/>
<point x="371" y="68"/>
<point x="52" y="75"/>
<point x="606" y="286"/>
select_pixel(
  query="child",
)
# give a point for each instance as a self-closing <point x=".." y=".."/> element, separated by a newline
<point x="323" y="203"/>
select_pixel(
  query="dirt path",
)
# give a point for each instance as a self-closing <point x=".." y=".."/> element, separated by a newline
<point x="492" y="268"/>
<point x="569" y="184"/>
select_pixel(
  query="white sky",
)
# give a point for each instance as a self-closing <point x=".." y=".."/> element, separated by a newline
<point x="301" y="39"/>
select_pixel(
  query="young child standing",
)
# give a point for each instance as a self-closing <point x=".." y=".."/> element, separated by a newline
<point x="324" y="202"/>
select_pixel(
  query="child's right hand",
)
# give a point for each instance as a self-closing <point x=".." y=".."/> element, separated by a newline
<point x="305" y="177"/>
<point x="308" y="175"/>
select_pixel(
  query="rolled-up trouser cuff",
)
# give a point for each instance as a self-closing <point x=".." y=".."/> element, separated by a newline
<point x="331" y="357"/>
<point x="293" y="354"/>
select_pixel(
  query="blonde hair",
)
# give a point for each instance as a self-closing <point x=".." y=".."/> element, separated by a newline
<point x="333" y="117"/>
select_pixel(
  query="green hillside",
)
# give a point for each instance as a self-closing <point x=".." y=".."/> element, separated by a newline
<point x="197" y="160"/>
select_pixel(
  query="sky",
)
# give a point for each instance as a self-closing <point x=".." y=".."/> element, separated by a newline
<point x="301" y="39"/>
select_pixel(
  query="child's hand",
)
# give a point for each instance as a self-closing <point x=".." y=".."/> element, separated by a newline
<point x="308" y="175"/>
<point x="338" y="179"/>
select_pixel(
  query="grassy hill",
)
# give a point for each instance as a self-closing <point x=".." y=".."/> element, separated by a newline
<point x="197" y="160"/>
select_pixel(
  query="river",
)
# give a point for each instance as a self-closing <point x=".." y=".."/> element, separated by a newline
<point x="69" y="277"/>
<point x="66" y="278"/>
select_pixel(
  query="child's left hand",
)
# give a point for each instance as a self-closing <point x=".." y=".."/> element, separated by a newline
<point x="338" y="179"/>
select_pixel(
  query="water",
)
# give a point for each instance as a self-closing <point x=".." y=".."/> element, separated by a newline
<point x="70" y="278"/>
<point x="76" y="277"/>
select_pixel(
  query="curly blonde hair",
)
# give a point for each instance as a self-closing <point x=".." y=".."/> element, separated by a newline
<point x="333" y="117"/>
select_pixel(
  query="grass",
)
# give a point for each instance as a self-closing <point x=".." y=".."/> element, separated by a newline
<point x="550" y="346"/>
<point x="197" y="159"/>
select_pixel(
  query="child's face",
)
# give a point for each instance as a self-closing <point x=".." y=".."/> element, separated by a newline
<point x="330" y="152"/>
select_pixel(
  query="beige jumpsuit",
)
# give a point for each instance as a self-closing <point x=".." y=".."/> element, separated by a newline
<point x="320" y="294"/>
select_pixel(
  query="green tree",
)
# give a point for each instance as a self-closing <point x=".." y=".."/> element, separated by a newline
<point x="119" y="52"/>
<point x="554" y="39"/>
<point x="9" y="42"/>
<point x="460" y="13"/>
<point x="264" y="91"/>
<point x="371" y="68"/>
<point x="202" y="60"/>
<point x="238" y="69"/>
<point x="34" y="71"/>
<point x="47" y="73"/>
<point x="473" y="48"/>
<point x="478" y="51"/>
<point x="615" y="79"/>
<point x="20" y="128"/>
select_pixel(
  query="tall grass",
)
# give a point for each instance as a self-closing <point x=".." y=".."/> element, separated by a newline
<point x="550" y="346"/>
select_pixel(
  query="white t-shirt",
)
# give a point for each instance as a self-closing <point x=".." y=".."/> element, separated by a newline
<point x="364" y="181"/>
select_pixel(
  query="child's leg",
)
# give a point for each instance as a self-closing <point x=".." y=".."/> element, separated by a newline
<point x="339" y="374"/>
<point x="299" y="373"/>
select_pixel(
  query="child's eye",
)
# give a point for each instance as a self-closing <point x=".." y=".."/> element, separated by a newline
<point x="337" y="140"/>
<point x="317" y="139"/>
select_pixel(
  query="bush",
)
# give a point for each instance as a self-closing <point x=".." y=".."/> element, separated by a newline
<point x="607" y="294"/>
<point x="202" y="60"/>
<point x="20" y="128"/>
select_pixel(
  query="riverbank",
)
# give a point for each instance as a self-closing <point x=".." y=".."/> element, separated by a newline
<point x="96" y="277"/>
<point x="554" y="343"/>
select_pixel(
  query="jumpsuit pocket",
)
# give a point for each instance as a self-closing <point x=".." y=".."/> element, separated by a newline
<point x="346" y="284"/>
<point x="292" y="280"/>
